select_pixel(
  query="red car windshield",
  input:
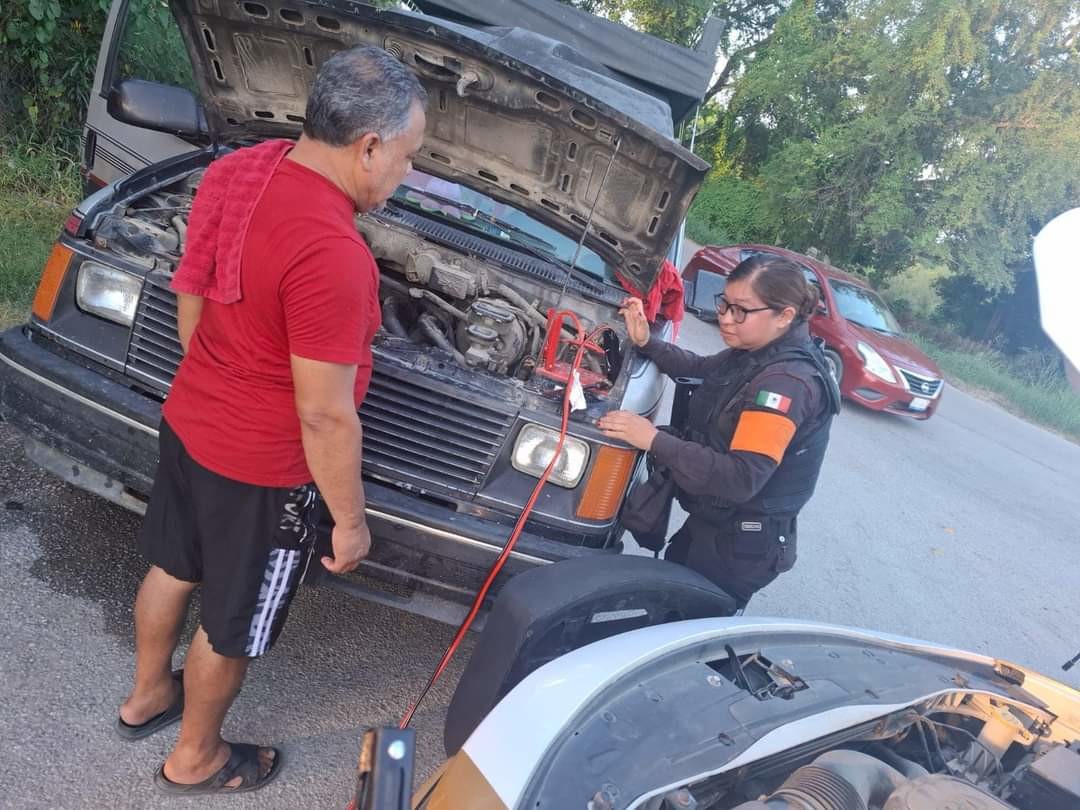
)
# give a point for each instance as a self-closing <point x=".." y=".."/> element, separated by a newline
<point x="863" y="307"/>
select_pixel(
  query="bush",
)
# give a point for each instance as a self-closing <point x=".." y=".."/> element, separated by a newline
<point x="1032" y="384"/>
<point x="38" y="187"/>
<point x="915" y="292"/>
<point x="1041" y="368"/>
<point x="726" y="210"/>
<point x="48" y="51"/>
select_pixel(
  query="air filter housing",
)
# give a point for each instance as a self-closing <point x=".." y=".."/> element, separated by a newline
<point x="1052" y="782"/>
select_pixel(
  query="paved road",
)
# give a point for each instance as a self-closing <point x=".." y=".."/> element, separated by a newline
<point x="959" y="530"/>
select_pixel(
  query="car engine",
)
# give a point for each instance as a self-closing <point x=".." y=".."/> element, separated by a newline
<point x="463" y="305"/>
<point x="975" y="754"/>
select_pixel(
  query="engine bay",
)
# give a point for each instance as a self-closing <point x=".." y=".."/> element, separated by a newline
<point x="971" y="752"/>
<point x="466" y="307"/>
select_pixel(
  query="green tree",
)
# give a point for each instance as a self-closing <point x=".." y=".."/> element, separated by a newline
<point x="747" y="25"/>
<point x="48" y="50"/>
<point x="901" y="130"/>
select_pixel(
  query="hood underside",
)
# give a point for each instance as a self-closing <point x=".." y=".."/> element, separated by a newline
<point x="520" y="117"/>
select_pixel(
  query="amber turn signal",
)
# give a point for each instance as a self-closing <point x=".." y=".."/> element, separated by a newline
<point x="51" y="279"/>
<point x="607" y="483"/>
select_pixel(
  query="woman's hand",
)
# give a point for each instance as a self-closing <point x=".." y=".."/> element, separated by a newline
<point x="637" y="431"/>
<point x="636" y="326"/>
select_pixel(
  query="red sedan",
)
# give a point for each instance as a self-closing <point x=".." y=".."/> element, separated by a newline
<point x="875" y="365"/>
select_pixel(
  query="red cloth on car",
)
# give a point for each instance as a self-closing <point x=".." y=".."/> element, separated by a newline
<point x="665" y="297"/>
<point x="309" y="288"/>
<point x="217" y="228"/>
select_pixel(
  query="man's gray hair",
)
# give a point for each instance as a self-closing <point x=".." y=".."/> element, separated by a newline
<point x="361" y="90"/>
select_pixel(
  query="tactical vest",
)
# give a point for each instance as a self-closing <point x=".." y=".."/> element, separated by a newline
<point x="713" y="415"/>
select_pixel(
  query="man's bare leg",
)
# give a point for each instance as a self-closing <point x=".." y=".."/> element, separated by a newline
<point x="211" y="683"/>
<point x="160" y="608"/>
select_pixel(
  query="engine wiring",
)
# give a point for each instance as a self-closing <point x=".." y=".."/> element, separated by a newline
<point x="938" y="724"/>
<point x="582" y="342"/>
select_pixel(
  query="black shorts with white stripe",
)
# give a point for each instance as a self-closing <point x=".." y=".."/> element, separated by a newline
<point x="247" y="545"/>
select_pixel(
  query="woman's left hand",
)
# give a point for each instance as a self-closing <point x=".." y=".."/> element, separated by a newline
<point x="637" y="431"/>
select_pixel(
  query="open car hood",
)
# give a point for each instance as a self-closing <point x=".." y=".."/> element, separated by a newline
<point x="517" y="116"/>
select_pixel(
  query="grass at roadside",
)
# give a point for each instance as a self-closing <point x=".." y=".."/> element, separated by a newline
<point x="38" y="187"/>
<point x="1051" y="403"/>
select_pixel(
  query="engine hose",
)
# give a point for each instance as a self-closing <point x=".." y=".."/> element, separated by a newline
<point x="527" y="309"/>
<point x="430" y="327"/>
<point x="497" y="566"/>
<point x="181" y="231"/>
<point x="836" y="780"/>
<point x="518" y="300"/>
<point x="394" y="286"/>
<point x="910" y="769"/>
<point x="445" y="306"/>
<point x="391" y="317"/>
<point x="536" y="340"/>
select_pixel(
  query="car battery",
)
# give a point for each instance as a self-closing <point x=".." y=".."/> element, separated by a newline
<point x="1052" y="782"/>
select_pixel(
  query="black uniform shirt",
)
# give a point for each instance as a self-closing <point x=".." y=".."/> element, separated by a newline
<point x="780" y="401"/>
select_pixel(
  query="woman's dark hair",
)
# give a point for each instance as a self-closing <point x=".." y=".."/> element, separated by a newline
<point x="779" y="283"/>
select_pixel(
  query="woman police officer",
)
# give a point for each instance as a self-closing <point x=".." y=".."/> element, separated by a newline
<point x="756" y="432"/>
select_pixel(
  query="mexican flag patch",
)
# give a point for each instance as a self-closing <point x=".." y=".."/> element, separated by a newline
<point x="778" y="402"/>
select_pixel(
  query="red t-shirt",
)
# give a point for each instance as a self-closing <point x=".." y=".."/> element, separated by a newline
<point x="310" y="288"/>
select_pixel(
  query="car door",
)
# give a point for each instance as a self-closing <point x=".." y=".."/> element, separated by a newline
<point x="821" y="324"/>
<point x="141" y="41"/>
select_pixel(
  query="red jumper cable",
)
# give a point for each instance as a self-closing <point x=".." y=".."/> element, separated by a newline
<point x="582" y="345"/>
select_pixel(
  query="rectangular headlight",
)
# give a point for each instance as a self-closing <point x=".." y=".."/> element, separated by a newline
<point x="535" y="447"/>
<point x="107" y="292"/>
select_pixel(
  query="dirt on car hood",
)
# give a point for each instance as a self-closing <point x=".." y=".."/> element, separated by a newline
<point x="517" y="116"/>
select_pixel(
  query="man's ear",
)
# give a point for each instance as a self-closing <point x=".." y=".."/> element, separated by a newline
<point x="365" y="147"/>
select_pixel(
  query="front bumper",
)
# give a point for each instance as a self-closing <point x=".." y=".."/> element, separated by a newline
<point x="101" y="435"/>
<point x="874" y="393"/>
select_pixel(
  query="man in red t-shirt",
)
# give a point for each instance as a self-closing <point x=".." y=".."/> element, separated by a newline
<point x="278" y="304"/>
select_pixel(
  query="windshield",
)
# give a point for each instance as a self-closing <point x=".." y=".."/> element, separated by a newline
<point x="471" y="209"/>
<point x="706" y="287"/>
<point x="863" y="307"/>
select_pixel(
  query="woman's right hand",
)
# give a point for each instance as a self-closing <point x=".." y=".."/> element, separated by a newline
<point x="634" y="315"/>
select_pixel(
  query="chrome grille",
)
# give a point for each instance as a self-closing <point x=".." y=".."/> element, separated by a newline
<point x="426" y="434"/>
<point x="920" y="386"/>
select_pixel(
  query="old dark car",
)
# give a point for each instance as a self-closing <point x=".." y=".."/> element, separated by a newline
<point x="545" y="182"/>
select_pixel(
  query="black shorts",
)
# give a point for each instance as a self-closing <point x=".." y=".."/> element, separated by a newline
<point x="247" y="545"/>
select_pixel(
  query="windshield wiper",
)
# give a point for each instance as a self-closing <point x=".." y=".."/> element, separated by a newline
<point x="472" y="212"/>
<point x="880" y="329"/>
<point x="518" y="237"/>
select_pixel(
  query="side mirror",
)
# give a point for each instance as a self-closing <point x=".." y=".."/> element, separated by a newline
<point x="160" y="107"/>
<point x="820" y="308"/>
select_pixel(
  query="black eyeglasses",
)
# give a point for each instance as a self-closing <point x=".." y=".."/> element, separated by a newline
<point x="738" y="314"/>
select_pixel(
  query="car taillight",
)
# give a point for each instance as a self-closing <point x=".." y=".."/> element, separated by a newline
<point x="71" y="226"/>
<point x="51" y="280"/>
<point x="607" y="483"/>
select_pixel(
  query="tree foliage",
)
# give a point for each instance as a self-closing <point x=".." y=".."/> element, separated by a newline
<point x="747" y="25"/>
<point x="727" y="209"/>
<point x="901" y="130"/>
<point x="48" y="50"/>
